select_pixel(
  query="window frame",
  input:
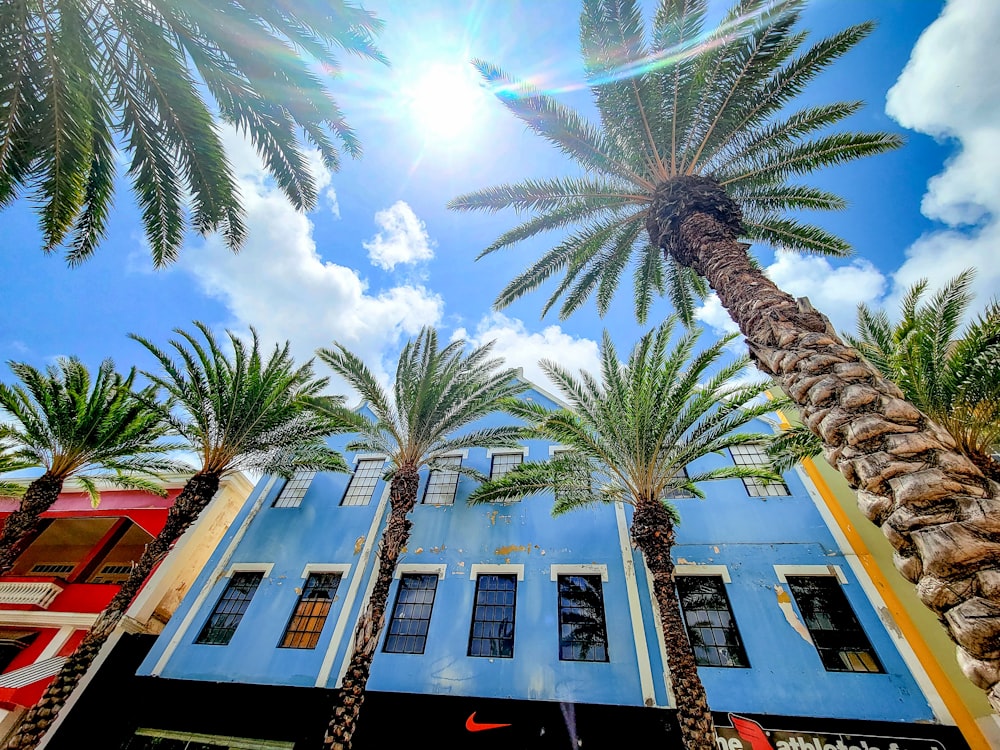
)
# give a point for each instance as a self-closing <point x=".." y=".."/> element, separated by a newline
<point x="733" y="646"/>
<point x="840" y="634"/>
<point x="757" y="487"/>
<point x="352" y="498"/>
<point x="396" y="617"/>
<point x="504" y="455"/>
<point x="294" y="489"/>
<point x="502" y="640"/>
<point x="439" y="476"/>
<point x="313" y="634"/>
<point x="568" y="640"/>
<point x="243" y="604"/>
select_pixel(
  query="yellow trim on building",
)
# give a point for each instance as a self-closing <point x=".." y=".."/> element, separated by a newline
<point x="964" y="719"/>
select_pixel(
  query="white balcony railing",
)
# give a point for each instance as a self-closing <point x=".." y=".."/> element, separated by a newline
<point x="37" y="593"/>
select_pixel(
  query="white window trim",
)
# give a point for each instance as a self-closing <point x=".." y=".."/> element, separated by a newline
<point x="369" y="457"/>
<point x="420" y="568"/>
<point x="463" y="454"/>
<point x="490" y="452"/>
<point x="705" y="570"/>
<point x="310" y="568"/>
<point x="571" y="569"/>
<point x="782" y="571"/>
<point x="501" y="569"/>
<point x="264" y="568"/>
<point x="554" y="449"/>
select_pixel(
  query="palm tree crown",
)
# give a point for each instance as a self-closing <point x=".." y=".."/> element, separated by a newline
<point x="83" y="78"/>
<point x="437" y="394"/>
<point x="682" y="115"/>
<point x="75" y="426"/>
<point x="244" y="412"/>
<point x="629" y="437"/>
<point x="947" y="372"/>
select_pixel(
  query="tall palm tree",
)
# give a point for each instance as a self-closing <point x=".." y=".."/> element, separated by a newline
<point x="630" y="436"/>
<point x="238" y="412"/>
<point x="437" y="394"/>
<point x="696" y="149"/>
<point x="946" y="371"/>
<point x="81" y="78"/>
<point x="76" y="427"/>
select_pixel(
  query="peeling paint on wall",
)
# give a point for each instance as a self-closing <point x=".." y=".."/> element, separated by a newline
<point x="418" y="550"/>
<point x="493" y="517"/>
<point x="358" y="544"/>
<point x="512" y="548"/>
<point x="785" y="605"/>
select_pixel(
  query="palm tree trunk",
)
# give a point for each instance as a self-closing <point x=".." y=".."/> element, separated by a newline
<point x="20" y="526"/>
<point x="653" y="534"/>
<point x="937" y="509"/>
<point x="196" y="495"/>
<point x="347" y="706"/>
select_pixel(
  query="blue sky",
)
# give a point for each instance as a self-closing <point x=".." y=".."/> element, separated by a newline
<point x="381" y="256"/>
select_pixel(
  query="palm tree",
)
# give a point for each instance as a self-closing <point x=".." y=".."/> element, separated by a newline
<point x="948" y="374"/>
<point x="630" y="436"/>
<point x="83" y="78"/>
<point x="77" y="428"/>
<point x="696" y="150"/>
<point x="239" y="412"/>
<point x="437" y="394"/>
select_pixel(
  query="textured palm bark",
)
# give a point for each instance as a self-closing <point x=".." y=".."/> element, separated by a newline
<point x="935" y="507"/>
<point x="20" y="526"/>
<point x="653" y="534"/>
<point x="196" y="495"/>
<point x="351" y="695"/>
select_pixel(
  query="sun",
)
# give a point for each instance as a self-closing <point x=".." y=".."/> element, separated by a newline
<point x="445" y="101"/>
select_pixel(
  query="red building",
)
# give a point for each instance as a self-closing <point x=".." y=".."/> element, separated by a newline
<point x="75" y="565"/>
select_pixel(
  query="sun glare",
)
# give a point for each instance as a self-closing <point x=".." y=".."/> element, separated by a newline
<point x="446" y="100"/>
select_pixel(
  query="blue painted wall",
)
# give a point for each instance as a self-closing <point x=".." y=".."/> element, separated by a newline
<point x="747" y="535"/>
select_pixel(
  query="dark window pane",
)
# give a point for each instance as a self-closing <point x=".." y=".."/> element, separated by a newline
<point x="752" y="454"/>
<point x="709" y="622"/>
<point x="839" y="639"/>
<point x="411" y="616"/>
<point x="583" y="635"/>
<point x="229" y="609"/>
<point x="492" y="632"/>
<point x="311" y="611"/>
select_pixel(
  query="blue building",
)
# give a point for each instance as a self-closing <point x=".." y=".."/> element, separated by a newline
<point x="510" y="628"/>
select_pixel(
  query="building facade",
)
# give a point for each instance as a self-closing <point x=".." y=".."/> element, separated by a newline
<point x="75" y="565"/>
<point x="507" y="627"/>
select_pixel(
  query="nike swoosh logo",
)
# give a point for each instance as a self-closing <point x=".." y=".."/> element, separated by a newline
<point x="474" y="726"/>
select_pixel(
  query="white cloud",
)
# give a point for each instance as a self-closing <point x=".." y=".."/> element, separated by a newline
<point x="402" y="238"/>
<point x="950" y="90"/>
<point x="523" y="348"/>
<point x="281" y="286"/>
<point x="834" y="291"/>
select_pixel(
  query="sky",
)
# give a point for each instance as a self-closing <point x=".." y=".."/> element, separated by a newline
<point x="380" y="256"/>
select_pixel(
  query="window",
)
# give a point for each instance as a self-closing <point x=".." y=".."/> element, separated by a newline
<point x="835" y="630"/>
<point x="753" y="454"/>
<point x="12" y="643"/>
<point x="493" y="616"/>
<point x="441" y="483"/>
<point x="311" y="611"/>
<point x="503" y="463"/>
<point x="575" y="479"/>
<point x="228" y="612"/>
<point x="362" y="485"/>
<point x="411" y="616"/>
<point x="678" y="493"/>
<point x="583" y="635"/>
<point x="708" y="619"/>
<point x="294" y="490"/>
